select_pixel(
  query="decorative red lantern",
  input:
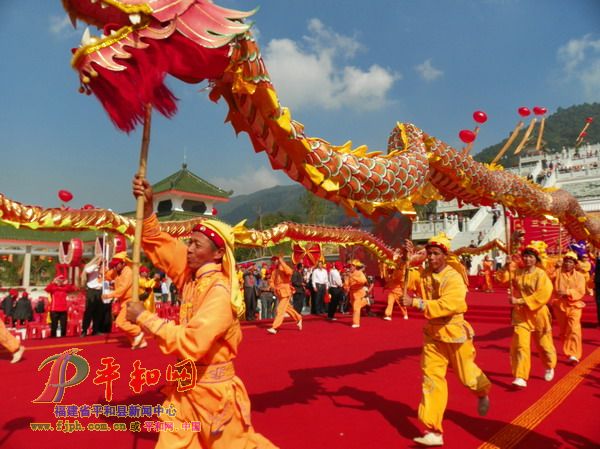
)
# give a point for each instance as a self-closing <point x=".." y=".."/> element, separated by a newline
<point x="523" y="111"/>
<point x="215" y="211"/>
<point x="466" y="135"/>
<point x="88" y="206"/>
<point x="120" y="244"/>
<point x="480" y="116"/>
<point x="538" y="110"/>
<point x="65" y="195"/>
<point x="589" y="119"/>
<point x="308" y="255"/>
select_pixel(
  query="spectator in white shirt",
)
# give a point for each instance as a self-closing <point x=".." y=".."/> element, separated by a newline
<point x="320" y="283"/>
<point x="94" y="307"/>
<point x="164" y="290"/>
<point x="335" y="290"/>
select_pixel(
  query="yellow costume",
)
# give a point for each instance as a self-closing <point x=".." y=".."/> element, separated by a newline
<point x="488" y="272"/>
<point x="567" y="308"/>
<point x="209" y="336"/>
<point x="448" y="341"/>
<point x="585" y="267"/>
<point x="9" y="341"/>
<point x="355" y="286"/>
<point x="395" y="284"/>
<point x="531" y="317"/>
<point x="281" y="283"/>
<point x="123" y="293"/>
<point x="147" y="286"/>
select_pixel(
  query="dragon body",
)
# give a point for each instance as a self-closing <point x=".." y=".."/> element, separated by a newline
<point x="100" y="220"/>
<point x="193" y="40"/>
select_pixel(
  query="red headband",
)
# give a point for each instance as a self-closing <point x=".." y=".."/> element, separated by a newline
<point x="213" y="236"/>
<point x="437" y="245"/>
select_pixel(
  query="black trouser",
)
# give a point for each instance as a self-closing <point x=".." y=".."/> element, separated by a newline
<point x="337" y="295"/>
<point x="298" y="300"/>
<point x="105" y="320"/>
<point x="318" y="306"/>
<point x="55" y="317"/>
<point x="250" y="300"/>
<point x="93" y="311"/>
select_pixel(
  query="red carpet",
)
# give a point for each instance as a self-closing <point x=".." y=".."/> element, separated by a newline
<point x="331" y="387"/>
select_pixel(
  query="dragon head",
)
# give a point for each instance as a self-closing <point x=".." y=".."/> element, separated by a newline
<point x="142" y="41"/>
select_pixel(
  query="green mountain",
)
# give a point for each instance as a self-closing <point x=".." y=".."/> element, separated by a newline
<point x="267" y="201"/>
<point x="267" y="207"/>
<point x="560" y="130"/>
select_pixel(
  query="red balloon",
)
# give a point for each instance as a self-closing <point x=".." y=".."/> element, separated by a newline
<point x="523" y="111"/>
<point x="537" y="110"/>
<point x="467" y="136"/>
<point x="65" y="195"/>
<point x="589" y="119"/>
<point x="214" y="211"/>
<point x="88" y="207"/>
<point x="480" y="116"/>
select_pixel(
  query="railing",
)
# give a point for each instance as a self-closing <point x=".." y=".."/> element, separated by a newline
<point x="584" y="173"/>
<point x="477" y="219"/>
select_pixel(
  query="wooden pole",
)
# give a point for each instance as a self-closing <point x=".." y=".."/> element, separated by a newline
<point x="538" y="145"/>
<point x="509" y="252"/>
<point x="466" y="150"/>
<point x="509" y="142"/>
<point x="139" y="211"/>
<point x="526" y="136"/>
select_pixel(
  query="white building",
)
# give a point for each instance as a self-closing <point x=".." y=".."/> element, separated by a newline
<point x="574" y="170"/>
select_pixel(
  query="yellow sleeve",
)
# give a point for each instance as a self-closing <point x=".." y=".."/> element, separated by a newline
<point x="166" y="252"/>
<point x="272" y="281"/>
<point x="453" y="292"/>
<point x="123" y="284"/>
<point x="575" y="294"/>
<point x="285" y="268"/>
<point x="193" y="340"/>
<point x="541" y="293"/>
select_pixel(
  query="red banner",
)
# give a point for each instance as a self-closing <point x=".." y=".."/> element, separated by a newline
<point x="545" y="230"/>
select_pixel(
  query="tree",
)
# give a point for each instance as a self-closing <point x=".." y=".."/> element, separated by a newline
<point x="314" y="207"/>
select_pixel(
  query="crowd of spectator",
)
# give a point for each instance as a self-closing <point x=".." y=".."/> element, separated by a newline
<point x="315" y="289"/>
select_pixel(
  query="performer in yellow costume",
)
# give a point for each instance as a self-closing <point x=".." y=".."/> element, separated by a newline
<point x="147" y="285"/>
<point x="530" y="292"/>
<point x="448" y="339"/>
<point x="122" y="274"/>
<point x="281" y="283"/>
<point x="395" y="283"/>
<point x="208" y="335"/>
<point x="488" y="271"/>
<point x="354" y="285"/>
<point x="11" y="343"/>
<point x="569" y="289"/>
<point x="585" y="267"/>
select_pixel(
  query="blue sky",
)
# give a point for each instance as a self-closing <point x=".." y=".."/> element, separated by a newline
<point x="348" y="70"/>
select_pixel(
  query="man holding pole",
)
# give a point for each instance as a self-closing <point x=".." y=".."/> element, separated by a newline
<point x="448" y="339"/>
<point x="208" y="334"/>
<point x="122" y="274"/>
<point x="569" y="290"/>
<point x="281" y="281"/>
